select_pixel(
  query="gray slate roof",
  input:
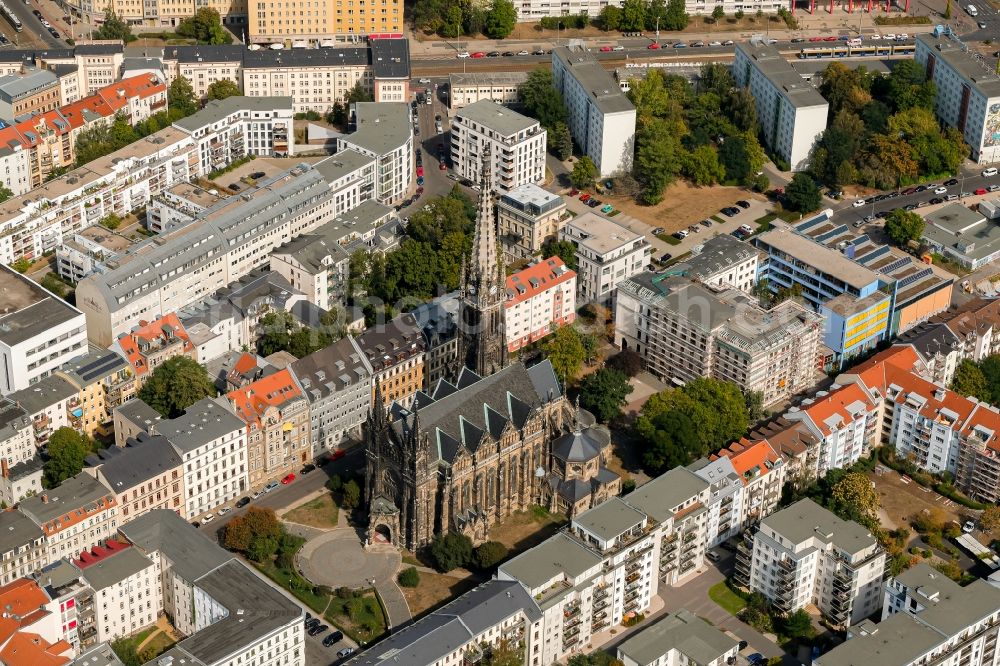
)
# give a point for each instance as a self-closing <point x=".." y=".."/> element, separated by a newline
<point x="77" y="492"/>
<point x="332" y="369"/>
<point x="390" y="58"/>
<point x="17" y="530"/>
<point x="143" y="458"/>
<point x="580" y="445"/>
<point x="99" y="655"/>
<point x="656" y="498"/>
<point x="217" y="110"/>
<point x="191" y="553"/>
<point x="561" y="554"/>
<point x="699" y="641"/>
<point x="115" y="568"/>
<point x="200" y="423"/>
<point x="498" y="118"/>
<point x="382" y="127"/>
<point x="805" y="520"/>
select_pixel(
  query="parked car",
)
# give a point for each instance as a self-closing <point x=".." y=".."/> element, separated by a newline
<point x="952" y="181"/>
<point x="989" y="173"/>
<point x="288" y="478"/>
<point x="680" y="235"/>
<point x="618" y="48"/>
<point x="666" y="257"/>
<point x="478" y="54"/>
<point x="935" y="201"/>
<point x="523" y="53"/>
<point x="605" y="49"/>
<point x="207" y="518"/>
<point x="242" y="502"/>
<point x="346" y="652"/>
<point x="706" y="223"/>
<point x="858" y="203"/>
<point x="224" y="510"/>
<point x="756" y="658"/>
<point x="607" y="209"/>
<point x="257" y="174"/>
<point x="657" y="231"/>
<point x="969" y="527"/>
<point x="333" y="638"/>
<point x="271" y="486"/>
<point x="584" y="196"/>
<point x="941" y="190"/>
<point x="653" y="46"/>
<point x="318" y="629"/>
<point x="742" y="203"/>
<point x="257" y="494"/>
<point x="594" y="203"/>
<point x="859" y="224"/>
<point x="713" y="555"/>
<point x="993" y="188"/>
<point x="463" y="54"/>
<point x="980" y="190"/>
<point x="307" y="468"/>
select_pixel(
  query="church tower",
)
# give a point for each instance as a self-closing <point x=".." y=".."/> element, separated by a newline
<point x="482" y="342"/>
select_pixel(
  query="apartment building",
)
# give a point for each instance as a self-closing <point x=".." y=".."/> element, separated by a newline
<point x="607" y="254"/>
<point x="104" y="381"/>
<point x="32" y="92"/>
<point x="82" y="69"/>
<point x="49" y="403"/>
<point x="80" y="513"/>
<point x="162" y="13"/>
<point x="31" y="632"/>
<point x="540" y="299"/>
<point x="725" y="499"/>
<point x="527" y="216"/>
<point x="118" y="572"/>
<point x="213" y="445"/>
<point x="323" y="24"/>
<point x="968" y="92"/>
<point x="228" y="614"/>
<point x="532" y="10"/>
<point x="761" y="470"/>
<point x="91" y="250"/>
<point x="804" y="555"/>
<point x="23" y="551"/>
<point x="678" y="638"/>
<point x="229" y="129"/>
<point x="470" y="87"/>
<point x="516" y="144"/>
<point x="276" y="414"/>
<point x="793" y="114"/>
<point x="178" y="206"/>
<point x="337" y="382"/>
<point x="438" y="321"/>
<point x="145" y="474"/>
<point x="151" y="343"/>
<point x="396" y="351"/>
<point x="600" y="117"/>
<point x="684" y="329"/>
<point x="927" y="618"/>
<point x="722" y="261"/>
<point x="38" y="332"/>
<point x="72" y="602"/>
<point x="384" y="132"/>
<point x="198" y="260"/>
<point x="17" y="444"/>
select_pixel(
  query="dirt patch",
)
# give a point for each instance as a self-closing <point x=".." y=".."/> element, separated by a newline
<point x="683" y="204"/>
<point x="320" y="512"/>
<point x="435" y="590"/>
<point x="524" y="529"/>
<point x="901" y="501"/>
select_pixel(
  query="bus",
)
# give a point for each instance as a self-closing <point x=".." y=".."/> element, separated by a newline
<point x="10" y="16"/>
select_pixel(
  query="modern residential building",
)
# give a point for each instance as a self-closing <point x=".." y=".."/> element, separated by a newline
<point x="385" y="133"/>
<point x="792" y="113"/>
<point x="600" y="117"/>
<point x="532" y="10"/>
<point x="540" y="299"/>
<point x="338" y="21"/>
<point x="761" y="469"/>
<point x="395" y="351"/>
<point x="722" y="261"/>
<point x="607" y="254"/>
<point x="151" y="343"/>
<point x="680" y="637"/>
<point x="179" y="205"/>
<point x="118" y="572"/>
<point x="213" y="445"/>
<point x="337" y="382"/>
<point x="38" y="331"/>
<point x="23" y="551"/>
<point x="145" y="474"/>
<point x="804" y="555"/>
<point x="516" y="144"/>
<point x="967" y="331"/>
<point x="105" y="381"/>
<point x="927" y="618"/>
<point x="90" y="250"/>
<point x="470" y="87"/>
<point x="962" y="234"/>
<point x="81" y="512"/>
<point x="527" y="216"/>
<point x="725" y="499"/>
<point x="684" y="329"/>
<point x="276" y="414"/>
<point x="968" y="92"/>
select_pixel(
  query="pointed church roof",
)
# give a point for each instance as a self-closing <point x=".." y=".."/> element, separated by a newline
<point x="485" y="261"/>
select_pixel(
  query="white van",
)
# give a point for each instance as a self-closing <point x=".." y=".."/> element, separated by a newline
<point x="989" y="173"/>
<point x="971" y="9"/>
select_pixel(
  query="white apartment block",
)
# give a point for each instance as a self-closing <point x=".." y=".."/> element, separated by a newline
<point x="679" y="638"/>
<point x="761" y="470"/>
<point x="540" y="299"/>
<point x="180" y="205"/>
<point x="315" y="79"/>
<point x="532" y="10"/>
<point x="684" y="329"/>
<point x="805" y="555"/>
<point x="38" y="332"/>
<point x="527" y="216"/>
<point x="126" y="586"/>
<point x="468" y="88"/>
<point x="384" y="132"/>
<point x="23" y="551"/>
<point x="600" y="117"/>
<point x="516" y="144"/>
<point x="723" y="261"/>
<point x="725" y="499"/>
<point x="78" y="514"/>
<point x="607" y="254"/>
<point x="927" y="619"/>
<point x="791" y="112"/>
<point x="17" y="443"/>
<point x="968" y="93"/>
<point x="230" y="129"/>
<point x="337" y="382"/>
<point x="48" y="402"/>
<point x="212" y="444"/>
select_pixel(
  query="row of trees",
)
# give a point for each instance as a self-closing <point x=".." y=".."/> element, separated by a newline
<point x="260" y="536"/>
<point x="495" y="19"/>
<point x="639" y="15"/>
<point x="883" y="133"/>
<point x="280" y="331"/>
<point x="205" y="26"/>
<point x="452" y="550"/>
<point x="543" y="102"/>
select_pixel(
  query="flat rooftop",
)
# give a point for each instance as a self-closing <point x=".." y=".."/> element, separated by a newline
<point x="799" y="92"/>
<point x="514" y="79"/>
<point x="601" y="87"/>
<point x="824" y="259"/>
<point x="600" y="234"/>
<point x="196" y="195"/>
<point x="958" y="58"/>
<point x="27" y="310"/>
<point x="963" y="231"/>
<point x="109" y="240"/>
<point x="498" y="118"/>
<point x="806" y="520"/>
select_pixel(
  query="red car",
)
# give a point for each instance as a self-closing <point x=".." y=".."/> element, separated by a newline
<point x="478" y="54"/>
<point x="584" y="196"/>
<point x="574" y="192"/>
<point x="336" y="455"/>
<point x="654" y="45"/>
<point x="442" y="166"/>
<point x="605" y="49"/>
<point x="981" y="190"/>
<point x="815" y="39"/>
<point x="288" y="479"/>
<point x="420" y="171"/>
<point x="831" y="38"/>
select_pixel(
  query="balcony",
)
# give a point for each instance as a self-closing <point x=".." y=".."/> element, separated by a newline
<point x="631" y="578"/>
<point x="689" y="537"/>
<point x="687" y="566"/>
<point x="639" y="553"/>
<point x="602" y="592"/>
<point x="631" y="568"/>
<point x="570" y="612"/>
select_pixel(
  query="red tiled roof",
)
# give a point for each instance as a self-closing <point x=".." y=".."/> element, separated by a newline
<point x="252" y="400"/>
<point x="533" y="280"/>
<point x="98" y="553"/>
<point x="824" y="408"/>
<point x="872" y="371"/>
<point x="23" y="604"/>
<point x="129" y="342"/>
<point x="28" y="649"/>
<point x="748" y="456"/>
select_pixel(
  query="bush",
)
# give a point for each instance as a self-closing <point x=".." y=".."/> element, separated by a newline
<point x="490" y="554"/>
<point x="409" y="577"/>
<point x="451" y="551"/>
<point x="345" y="593"/>
<point x="335" y="483"/>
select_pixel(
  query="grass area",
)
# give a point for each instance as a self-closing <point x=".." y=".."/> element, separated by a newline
<point x="320" y="512"/>
<point x="902" y="20"/>
<point x="524" y="529"/>
<point x="411" y="559"/>
<point x="158" y="645"/>
<point x="361" y="617"/>
<point x="435" y="590"/>
<point x="949" y="265"/>
<point x="717" y="219"/>
<point x="723" y="596"/>
<point x="764" y="222"/>
<point x="668" y="239"/>
<point x="789" y="215"/>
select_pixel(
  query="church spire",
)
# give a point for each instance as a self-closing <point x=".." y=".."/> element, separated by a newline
<point x="485" y="259"/>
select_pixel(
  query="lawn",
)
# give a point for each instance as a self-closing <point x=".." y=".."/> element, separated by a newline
<point x="360" y="617"/>
<point x="320" y="512"/>
<point x="729" y="600"/>
<point x="524" y="529"/>
<point x="158" y="645"/>
<point x="434" y="590"/>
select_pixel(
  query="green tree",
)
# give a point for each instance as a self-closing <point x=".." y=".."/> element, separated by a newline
<point x="626" y="361"/>
<point x="604" y="393"/>
<point x="633" y="17"/>
<point x="854" y="497"/>
<point x="21" y="264"/>
<point x="351" y="495"/>
<point x="111" y="221"/>
<point x="489" y="554"/>
<point x="702" y="166"/>
<point x="504" y="653"/>
<point x="180" y="96"/>
<point x="540" y="98"/>
<point x="358" y="93"/>
<point x="65" y="454"/>
<point x="610" y="17"/>
<point x="450" y="551"/>
<point x="205" y="26"/>
<point x="114" y="27"/>
<point x="903" y="226"/>
<point x="222" y="89"/>
<point x="5" y="193"/>
<point x="563" y="249"/>
<point x="969" y="380"/>
<point x="500" y="19"/>
<point x="718" y="13"/>
<point x="802" y="193"/>
<point x="584" y="173"/>
<point x="562" y="140"/>
<point x="885" y="161"/>
<point x="671" y="441"/>
<point x="657" y="158"/>
<point x="755" y="406"/>
<point x="989" y="520"/>
<point x="409" y="577"/>
<point x="565" y="351"/>
<point x="908" y="86"/>
<point x="175" y="385"/>
<point x="798" y="625"/>
<point x="741" y="108"/>
<point x="675" y="18"/>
